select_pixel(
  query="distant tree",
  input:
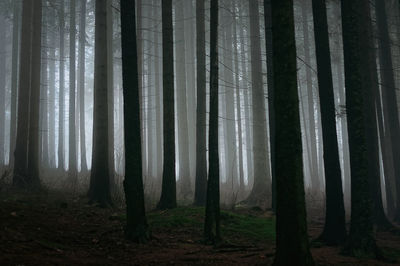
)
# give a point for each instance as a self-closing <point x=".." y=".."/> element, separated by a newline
<point x="201" y="147"/>
<point x="261" y="192"/>
<point x="2" y="92"/>
<point x="99" y="189"/>
<point x="81" y="84"/>
<point x="355" y="21"/>
<point x="335" y="226"/>
<point x="61" y="92"/>
<point x="14" y="77"/>
<point x="137" y="227"/>
<point x="212" y="232"/>
<point x="292" y="247"/>
<point x="168" y="190"/>
<point x="52" y="88"/>
<point x="72" y="167"/>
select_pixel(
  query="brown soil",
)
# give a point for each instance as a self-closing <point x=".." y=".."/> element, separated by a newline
<point x="60" y="229"/>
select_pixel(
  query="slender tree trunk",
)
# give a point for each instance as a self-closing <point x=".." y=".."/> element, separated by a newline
<point x="168" y="192"/>
<point x="72" y="169"/>
<point x="14" y="79"/>
<point x="99" y="189"/>
<point x="136" y="228"/>
<point x="292" y="247"/>
<point x="335" y="227"/>
<point x="201" y="147"/>
<point x="81" y="85"/>
<point x="61" y="93"/>
<point x="212" y="219"/>
<point x="52" y="89"/>
<point x="44" y="82"/>
<point x="2" y="92"/>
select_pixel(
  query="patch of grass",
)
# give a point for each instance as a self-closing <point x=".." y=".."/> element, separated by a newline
<point x="253" y="227"/>
<point x="233" y="225"/>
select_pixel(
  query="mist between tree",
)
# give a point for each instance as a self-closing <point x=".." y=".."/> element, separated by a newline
<point x="208" y="69"/>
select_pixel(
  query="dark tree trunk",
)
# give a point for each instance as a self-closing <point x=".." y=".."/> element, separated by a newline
<point x="271" y="108"/>
<point x="335" y="226"/>
<point x="355" y="21"/>
<point x="212" y="219"/>
<point x="2" y="92"/>
<point x="292" y="247"/>
<point x="201" y="147"/>
<point x="34" y="103"/>
<point x="99" y="190"/>
<point x="136" y="228"/>
<point x="168" y="192"/>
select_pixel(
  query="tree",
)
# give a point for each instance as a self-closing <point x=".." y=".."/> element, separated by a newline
<point x="137" y="227"/>
<point x="14" y="78"/>
<point x="81" y="84"/>
<point x="168" y="191"/>
<point x="355" y="19"/>
<point x="61" y="93"/>
<point x="261" y="187"/>
<point x="72" y="169"/>
<point x="2" y="92"/>
<point x="183" y="134"/>
<point x="26" y="168"/>
<point x="292" y="247"/>
<point x="212" y="219"/>
<point x="99" y="190"/>
<point x="335" y="226"/>
<point x="201" y="147"/>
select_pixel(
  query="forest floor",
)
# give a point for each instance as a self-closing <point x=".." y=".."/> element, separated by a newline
<point x="54" y="228"/>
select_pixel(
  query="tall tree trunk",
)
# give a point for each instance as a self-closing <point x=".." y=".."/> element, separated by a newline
<point x="168" y="192"/>
<point x="137" y="227"/>
<point x="2" y="92"/>
<point x="52" y="89"/>
<point x="292" y="247"/>
<point x="81" y="85"/>
<point x="389" y="95"/>
<point x="356" y="47"/>
<point x="34" y="105"/>
<point x="14" y="78"/>
<point x="201" y="138"/>
<point x="99" y="189"/>
<point x="61" y="92"/>
<point x="72" y="159"/>
<point x="183" y="135"/>
<point x="315" y="184"/>
<point x="261" y="192"/>
<point x="335" y="226"/>
<point x="212" y="219"/>
<point x="44" y="79"/>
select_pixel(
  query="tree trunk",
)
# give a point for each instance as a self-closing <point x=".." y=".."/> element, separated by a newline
<point x="99" y="190"/>
<point x="52" y="89"/>
<point x="201" y="138"/>
<point x="292" y="247"/>
<point x="261" y="192"/>
<point x="168" y="192"/>
<point x="61" y="93"/>
<point x="137" y="227"/>
<point x="81" y="85"/>
<point x="356" y="47"/>
<point x="212" y="219"/>
<point x="2" y="92"/>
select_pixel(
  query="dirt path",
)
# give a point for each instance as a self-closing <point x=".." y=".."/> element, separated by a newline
<point x="57" y="229"/>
